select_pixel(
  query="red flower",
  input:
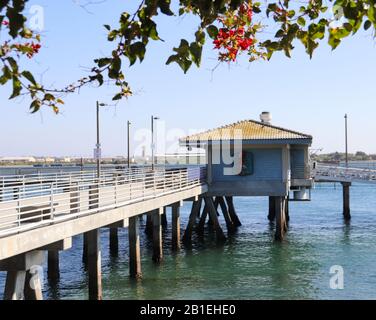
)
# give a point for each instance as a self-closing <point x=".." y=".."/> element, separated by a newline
<point x="249" y="14"/>
<point x="217" y="43"/>
<point x="245" y="44"/>
<point x="5" y="23"/>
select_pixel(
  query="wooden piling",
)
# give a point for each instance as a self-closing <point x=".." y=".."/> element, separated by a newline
<point x="232" y="211"/>
<point x="213" y="214"/>
<point x="53" y="272"/>
<point x="94" y="265"/>
<point x="164" y="218"/>
<point x="23" y="279"/>
<point x="149" y="224"/>
<point x="346" y="200"/>
<point x="33" y="285"/>
<point x="157" y="237"/>
<point x="281" y="225"/>
<point x="175" y="225"/>
<point x="287" y="209"/>
<point x="84" y="249"/>
<point x="114" y="242"/>
<point x="14" y="285"/>
<point x="201" y="225"/>
<point x="272" y="211"/>
<point x="93" y="204"/>
<point x="229" y="223"/>
<point x="134" y="248"/>
<point x="196" y="207"/>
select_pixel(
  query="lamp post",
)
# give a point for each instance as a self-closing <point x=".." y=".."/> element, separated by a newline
<point x="98" y="144"/>
<point x="152" y="140"/>
<point x="346" y="142"/>
<point x="128" y="145"/>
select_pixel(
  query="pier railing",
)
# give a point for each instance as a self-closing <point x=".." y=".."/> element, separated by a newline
<point x="343" y="174"/>
<point x="31" y="201"/>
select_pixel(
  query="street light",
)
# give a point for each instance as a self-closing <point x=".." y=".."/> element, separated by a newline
<point x="97" y="152"/>
<point x="152" y="141"/>
<point x="346" y="142"/>
<point x="128" y="137"/>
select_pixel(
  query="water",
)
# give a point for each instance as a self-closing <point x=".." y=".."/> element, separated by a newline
<point x="250" y="265"/>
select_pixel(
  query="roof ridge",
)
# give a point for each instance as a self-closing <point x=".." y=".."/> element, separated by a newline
<point x="279" y="128"/>
<point x="245" y="121"/>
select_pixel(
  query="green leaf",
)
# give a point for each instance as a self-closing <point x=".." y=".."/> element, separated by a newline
<point x="164" y="6"/>
<point x="212" y="31"/>
<point x="35" y="106"/>
<point x="17" y="87"/>
<point x="28" y="75"/>
<point x="367" y="24"/>
<point x="301" y="21"/>
<point x="196" y="53"/>
<point x="16" y="21"/>
<point x="117" y="97"/>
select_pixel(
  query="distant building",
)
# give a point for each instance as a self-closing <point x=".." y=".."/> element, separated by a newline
<point x="17" y="159"/>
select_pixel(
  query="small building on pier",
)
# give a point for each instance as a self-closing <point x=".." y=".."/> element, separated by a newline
<point x="255" y="158"/>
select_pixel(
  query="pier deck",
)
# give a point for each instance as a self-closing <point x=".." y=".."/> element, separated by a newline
<point x="37" y="211"/>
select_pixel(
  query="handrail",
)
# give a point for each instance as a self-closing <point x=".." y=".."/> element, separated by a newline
<point x="344" y="173"/>
<point x="69" y="196"/>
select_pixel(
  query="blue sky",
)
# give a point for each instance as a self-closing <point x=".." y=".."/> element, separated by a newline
<point x="311" y="96"/>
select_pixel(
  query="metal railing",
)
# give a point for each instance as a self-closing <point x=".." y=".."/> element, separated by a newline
<point x="336" y="173"/>
<point x="30" y="201"/>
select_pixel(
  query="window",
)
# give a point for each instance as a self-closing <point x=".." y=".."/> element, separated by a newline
<point x="247" y="164"/>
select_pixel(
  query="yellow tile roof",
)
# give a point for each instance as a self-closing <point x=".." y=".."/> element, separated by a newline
<point x="249" y="130"/>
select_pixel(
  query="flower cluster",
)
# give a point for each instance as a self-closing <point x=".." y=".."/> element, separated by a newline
<point x="236" y="34"/>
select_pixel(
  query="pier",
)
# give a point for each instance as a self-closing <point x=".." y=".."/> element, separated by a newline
<point x="40" y="213"/>
<point x="346" y="176"/>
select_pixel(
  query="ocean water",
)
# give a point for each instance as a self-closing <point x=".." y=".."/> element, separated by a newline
<point x="250" y="265"/>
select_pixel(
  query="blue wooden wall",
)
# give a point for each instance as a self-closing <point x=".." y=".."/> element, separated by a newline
<point x="297" y="163"/>
<point x="267" y="167"/>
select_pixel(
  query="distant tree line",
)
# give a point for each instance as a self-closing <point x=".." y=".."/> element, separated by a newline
<point x="338" y="156"/>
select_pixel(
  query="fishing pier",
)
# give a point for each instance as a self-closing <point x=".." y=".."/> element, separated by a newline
<point x="40" y="213"/>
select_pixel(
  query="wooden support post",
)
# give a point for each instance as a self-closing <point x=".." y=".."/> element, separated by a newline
<point x="134" y="248"/>
<point x="232" y="211"/>
<point x="53" y="272"/>
<point x="33" y="285"/>
<point x="14" y="285"/>
<point x="346" y="200"/>
<point x="213" y="214"/>
<point x="287" y="209"/>
<point x="114" y="242"/>
<point x="157" y="237"/>
<point x="201" y="225"/>
<point x="84" y="248"/>
<point x="149" y="224"/>
<point x="94" y="265"/>
<point x="281" y="226"/>
<point x="175" y="226"/>
<point x="164" y="218"/>
<point x="229" y="223"/>
<point x="196" y="207"/>
<point x="23" y="276"/>
<point x="93" y="203"/>
<point x="271" y="215"/>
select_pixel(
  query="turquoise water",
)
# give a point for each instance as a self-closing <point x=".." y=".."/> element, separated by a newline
<point x="250" y="265"/>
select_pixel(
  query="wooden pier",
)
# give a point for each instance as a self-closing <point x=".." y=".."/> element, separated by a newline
<point x="39" y="214"/>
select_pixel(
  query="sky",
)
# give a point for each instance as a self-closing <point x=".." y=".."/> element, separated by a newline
<point x="310" y="96"/>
